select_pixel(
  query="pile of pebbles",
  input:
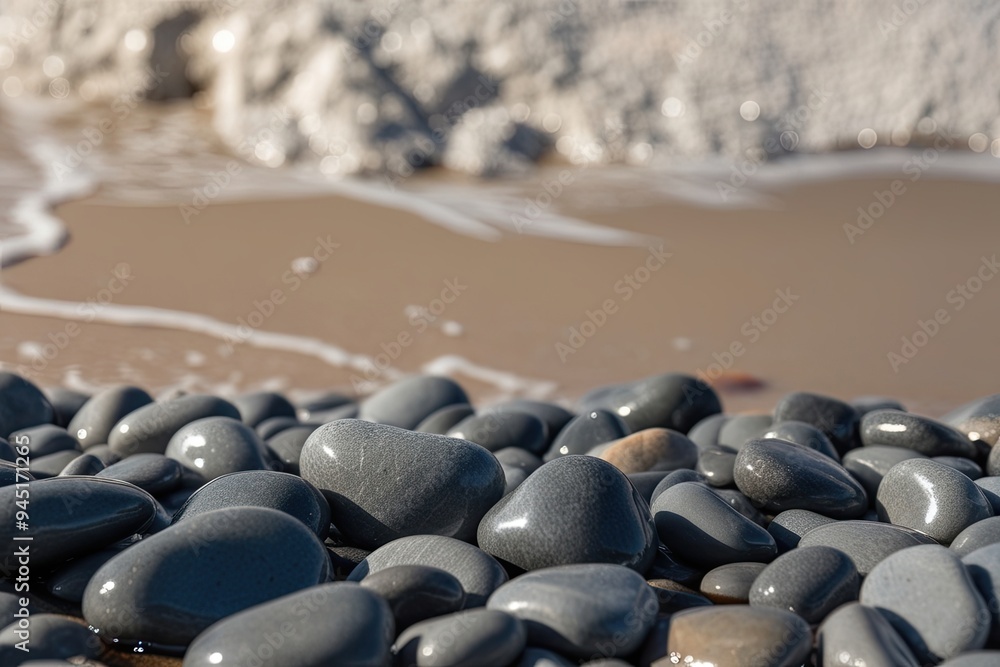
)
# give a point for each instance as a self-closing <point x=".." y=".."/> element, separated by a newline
<point x="645" y="527"/>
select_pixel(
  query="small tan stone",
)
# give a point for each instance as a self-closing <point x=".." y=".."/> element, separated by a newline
<point x="651" y="449"/>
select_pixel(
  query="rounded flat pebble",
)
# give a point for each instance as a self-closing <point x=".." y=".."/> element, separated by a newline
<point x="416" y="592"/>
<point x="555" y="416"/>
<point x="967" y="467"/>
<point x="262" y="488"/>
<point x="978" y="420"/>
<point x="803" y="434"/>
<point x="496" y="430"/>
<point x="932" y="498"/>
<point x="956" y="621"/>
<point x="22" y="405"/>
<point x="718" y="465"/>
<point x="706" y="432"/>
<point x="275" y="425"/>
<point x="583" y="611"/>
<point x="331" y="624"/>
<point x="978" y="535"/>
<point x="155" y="473"/>
<point x="321" y="402"/>
<point x="836" y="419"/>
<point x="45" y="439"/>
<point x="384" y="482"/>
<point x="216" y="446"/>
<point x="441" y="421"/>
<point x="51" y="465"/>
<point x="673" y="401"/>
<point x="150" y="428"/>
<point x="66" y="403"/>
<point x="84" y="464"/>
<point x="866" y="404"/>
<point x="705" y="531"/>
<point x="651" y="449"/>
<point x="674" y="478"/>
<point x="895" y="428"/>
<point x="472" y="638"/>
<point x="586" y="431"/>
<point x="408" y="402"/>
<point x="479" y="573"/>
<point x="157" y="590"/>
<point x="574" y="509"/>
<point x="286" y="446"/>
<point x="808" y="581"/>
<point x="859" y="635"/>
<point x="867" y="543"/>
<point x="778" y="476"/>
<point x="257" y="406"/>
<point x="738" y="636"/>
<point x="983" y="566"/>
<point x="738" y="429"/>
<point x="50" y="637"/>
<point x="788" y="527"/>
<point x="93" y="423"/>
<point x="731" y="584"/>
<point x="870" y="464"/>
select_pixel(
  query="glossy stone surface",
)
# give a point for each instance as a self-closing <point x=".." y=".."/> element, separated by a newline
<point x="441" y="421"/>
<point x="932" y="498"/>
<point x="93" y="423"/>
<point x="979" y="420"/>
<point x="706" y="432"/>
<point x="581" y="610"/>
<point x="978" y="535"/>
<point x="155" y="473"/>
<point x="788" y="527"/>
<point x="974" y="659"/>
<point x="84" y="464"/>
<point x="870" y="464"/>
<point x="990" y="486"/>
<point x="384" y="482"/>
<point x="416" y="592"/>
<point x="718" y="465"/>
<point x="967" y="467"/>
<point x="257" y="406"/>
<point x="156" y="590"/>
<point x="65" y="403"/>
<point x="496" y="430"/>
<point x="673" y="401"/>
<point x="22" y="405"/>
<point x="651" y="449"/>
<point x="70" y="580"/>
<point x="674" y="478"/>
<point x="408" y="402"/>
<point x="575" y="509"/>
<point x="894" y="428"/>
<point x="808" y="581"/>
<point x="586" y="431"/>
<point x="777" y="476"/>
<point x="837" y="420"/>
<point x="50" y="637"/>
<point x="803" y="434"/>
<point x="45" y="439"/>
<point x="867" y="543"/>
<point x="471" y="638"/>
<point x="52" y="464"/>
<point x="731" y="584"/>
<point x="149" y="428"/>
<point x="858" y="635"/>
<point x="274" y="425"/>
<point x="216" y="446"/>
<point x="738" y="636"/>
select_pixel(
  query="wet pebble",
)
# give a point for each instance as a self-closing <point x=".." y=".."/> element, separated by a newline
<point x="673" y="401"/>
<point x="836" y="419"/>
<point x="652" y="449"/>
<point x="808" y="581"/>
<point x="894" y="428"/>
<point x="22" y="405"/>
<point x="738" y="636"/>
<point x="471" y="638"/>
<point x="441" y="421"/>
<point x="45" y="439"/>
<point x="50" y="637"/>
<point x="408" y="402"/>
<point x="978" y="535"/>
<point x="286" y="446"/>
<point x="586" y="431"/>
<point x="84" y="464"/>
<point x="788" y="527"/>
<point x="93" y="423"/>
<point x="870" y="464"/>
<point x="416" y="592"/>
<point x="860" y="635"/>
<point x="150" y="428"/>
<point x="803" y="434"/>
<point x="155" y="473"/>
<point x="718" y="465"/>
<point x="731" y="584"/>
<point x="867" y="543"/>
<point x="496" y="430"/>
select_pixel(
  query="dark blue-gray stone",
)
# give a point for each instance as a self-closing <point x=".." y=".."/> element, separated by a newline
<point x="261" y="488"/>
<point x="673" y="401"/>
<point x="84" y="464"/>
<point x="978" y="535"/>
<point x="738" y="429"/>
<point x="731" y="583"/>
<point x="22" y="405"/>
<point x="66" y="403"/>
<point x="979" y="420"/>
<point x="967" y="467"/>
<point x="51" y="637"/>
<point x="938" y="611"/>
<point x="287" y="446"/>
<point x="894" y="428"/>
<point x="216" y="446"/>
<point x="321" y="402"/>
<point x="674" y="478"/>
<point x="866" y="404"/>
<point x="71" y="517"/>
<point x="778" y="475"/>
<point x="347" y="411"/>
<point x="867" y="543"/>
<point x="706" y="432"/>
<point x="331" y="624"/>
<point x="410" y="401"/>
<point x="705" y="531"/>
<point x="586" y="431"/>
<point x="45" y="439"/>
<point x="646" y="482"/>
<point x="52" y="464"/>
<point x="104" y="453"/>
<point x="479" y="573"/>
<point x="150" y="428"/>
<point x="257" y="406"/>
<point x="384" y="482"/>
<point x="554" y="416"/>
<point x="7" y="452"/>
<point x="575" y="509"/>
<point x="859" y="635"/>
<point x="416" y="592"/>
<point x="993" y="462"/>
<point x="870" y="464"/>
<point x="93" y="423"/>
<point x="10" y="607"/>
<point x="808" y="581"/>
<point x="743" y="505"/>
<point x="496" y="430"/>
<point x="584" y="611"/>
<point x="788" y="527"/>
<point x="803" y="434"/>
<point x="171" y="586"/>
<point x="472" y="638"/>
<point x="275" y="425"/>
<point x="70" y="581"/>
<point x="983" y="565"/>
<point x="155" y="473"/>
<point x="718" y="465"/>
<point x="441" y="421"/>
<point x="932" y="498"/>
<point x="517" y="465"/>
<point x="990" y="486"/>
<point x="738" y="635"/>
<point x="10" y="475"/>
<point x="672" y="596"/>
<point x="837" y="420"/>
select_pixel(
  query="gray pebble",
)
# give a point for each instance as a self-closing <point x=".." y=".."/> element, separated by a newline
<point x="866" y="404"/>
<point x="718" y="465"/>
<point x="275" y="425"/>
<point x="983" y="566"/>
<point x="974" y="659"/>
<point x="738" y="429"/>
<point x="51" y="637"/>
<point x="870" y="464"/>
<point x="673" y="401"/>
<point x="51" y="465"/>
<point x="408" y="402"/>
<point x="967" y="467"/>
<point x="539" y="657"/>
<point x="808" y="581"/>
<point x="859" y="635"/>
<point x="990" y="486"/>
<point x="22" y="405"/>
<point x="496" y="430"/>
<point x="216" y="446"/>
<point x="472" y="638"/>
<point x="706" y="432"/>
<point x="416" y="592"/>
<point x="836" y="419"/>
<point x="93" y="423"/>
<point x="867" y="543"/>
<point x="517" y="464"/>
<point x="586" y="431"/>
<point x="554" y="416"/>
<point x="979" y="420"/>
<point x="84" y="464"/>
<point x="441" y="421"/>
<point x="45" y="439"/>
<point x="257" y="406"/>
<point x="155" y="473"/>
<point x="731" y="584"/>
<point x="70" y="581"/>
<point x="66" y="403"/>
<point x="150" y="428"/>
<point x="978" y="535"/>
<point x="286" y="446"/>
<point x="894" y="428"/>
<point x="788" y="527"/>
<point x="803" y="434"/>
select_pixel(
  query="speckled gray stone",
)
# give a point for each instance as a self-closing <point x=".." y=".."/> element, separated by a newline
<point x="702" y="529"/>
<point x="416" y="592"/>
<point x="586" y="431"/>
<point x="870" y="464"/>
<point x="496" y="430"/>
<point x="286" y="446"/>
<point x="978" y="535"/>
<point x="978" y="419"/>
<point x="859" y="635"/>
<point x="472" y="638"/>
<point x="583" y="611"/>
<point x="441" y="421"/>
<point x="808" y="581"/>
<point x="216" y="446"/>
<point x="836" y="419"/>
<point x="938" y="612"/>
<point x="983" y="566"/>
<point x="65" y="402"/>
<point x="150" y="428"/>
<point x="718" y="465"/>
<point x="731" y="584"/>
<point x="22" y="405"/>
<point x="155" y="473"/>
<point x="410" y="401"/>
<point x="479" y="573"/>
<point x="788" y="527"/>
<point x="169" y="587"/>
<point x="867" y="543"/>
<point x="517" y="465"/>
<point x="384" y="482"/>
<point x="575" y="509"/>
<point x="262" y="488"/>
<point x="738" y="429"/>
<point x="990" y="486"/>
<point x="84" y="464"/>
<point x="45" y="439"/>
<point x="93" y="423"/>
<point x="932" y="498"/>
<point x="673" y="401"/>
<point x="331" y="624"/>
<point x="803" y="434"/>
<point x="257" y="406"/>
<point x="778" y="475"/>
<point x="51" y="637"/>
<point x="738" y="636"/>
<point x="895" y="428"/>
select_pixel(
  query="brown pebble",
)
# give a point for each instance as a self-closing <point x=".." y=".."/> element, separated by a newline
<point x="651" y="449"/>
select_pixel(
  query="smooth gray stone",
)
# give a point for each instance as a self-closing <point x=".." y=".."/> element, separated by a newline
<point x="471" y="638"/>
<point x="742" y="504"/>
<point x="22" y="405"/>
<point x="788" y="527"/>
<point x="673" y="479"/>
<point x="967" y="467"/>
<point x="859" y="635"/>
<point x="70" y="581"/>
<point x="155" y="473"/>
<point x="93" y="423"/>
<point x="66" y="403"/>
<point x="706" y="432"/>
<point x="932" y="498"/>
<point x="738" y="429"/>
<point x="496" y="430"/>
<point x="586" y="611"/>
<point x="216" y="446"/>
<point x="870" y="464"/>
<point x="738" y="635"/>
<point x="731" y="583"/>
<point x="938" y="612"/>
<point x="646" y="482"/>
<point x="705" y="531"/>
<point x="990" y="486"/>
<point x="9" y="474"/>
<point x="150" y="428"/>
<point x="895" y="428"/>
<point x="866" y="542"/>
<point x="974" y="659"/>
<point x="104" y="453"/>
<point x="479" y="573"/>
<point x="718" y="465"/>
<point x="330" y="624"/>
<point x="410" y="401"/>
<point x="778" y="475"/>
<point x="803" y="434"/>
<point x="72" y="516"/>
<point x="980" y="534"/>
<point x="979" y="420"/>
<point x="517" y="464"/>
<point x="257" y="406"/>
<point x="441" y="421"/>
<point x="45" y="439"/>
<point x="539" y="657"/>
<point x="673" y="401"/>
<point x="574" y="509"/>
<point x="416" y="592"/>
<point x="84" y="464"/>
<point x="348" y="411"/>
<point x="808" y="581"/>
<point x="586" y="431"/>
<point x="384" y="482"/>
<point x="287" y="446"/>
<point x="554" y="416"/>
<point x="983" y="566"/>
<point x="171" y="586"/>
<point x="51" y="637"/>
<point x="51" y="465"/>
<point x="321" y="403"/>
<point x="866" y="404"/>
<point x="275" y="425"/>
<point x="836" y="419"/>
